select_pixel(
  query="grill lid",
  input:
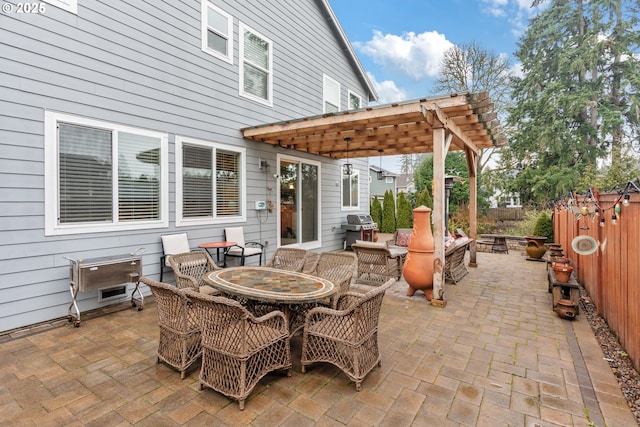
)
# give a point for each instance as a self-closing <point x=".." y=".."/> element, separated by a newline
<point x="359" y="219"/>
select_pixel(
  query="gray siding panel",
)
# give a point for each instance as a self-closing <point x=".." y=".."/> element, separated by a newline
<point x="140" y="64"/>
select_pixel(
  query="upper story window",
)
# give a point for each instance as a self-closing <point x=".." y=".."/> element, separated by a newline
<point x="209" y="182"/>
<point x="256" y="53"/>
<point x="355" y="101"/>
<point x="217" y="32"/>
<point x="330" y="95"/>
<point x="101" y="176"/>
<point x="389" y="180"/>
<point x="351" y="190"/>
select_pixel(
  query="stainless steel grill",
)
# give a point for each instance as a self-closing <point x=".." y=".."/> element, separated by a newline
<point x="359" y="227"/>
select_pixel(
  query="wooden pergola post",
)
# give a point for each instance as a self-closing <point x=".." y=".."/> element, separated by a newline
<point x="472" y="165"/>
<point x="439" y="153"/>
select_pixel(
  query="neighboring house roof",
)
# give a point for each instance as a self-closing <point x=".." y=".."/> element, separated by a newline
<point x="373" y="95"/>
<point x="376" y="169"/>
<point x="404" y="180"/>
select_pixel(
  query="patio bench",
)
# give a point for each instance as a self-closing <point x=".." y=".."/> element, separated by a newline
<point x="454" y="267"/>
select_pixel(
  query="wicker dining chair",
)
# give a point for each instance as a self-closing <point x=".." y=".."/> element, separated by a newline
<point x="179" y="344"/>
<point x="190" y="268"/>
<point x="338" y="267"/>
<point x="310" y="262"/>
<point x="238" y="349"/>
<point x="347" y="336"/>
<point x="377" y="262"/>
<point x="292" y="259"/>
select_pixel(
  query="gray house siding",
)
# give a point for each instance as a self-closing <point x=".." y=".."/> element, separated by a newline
<point x="140" y="64"/>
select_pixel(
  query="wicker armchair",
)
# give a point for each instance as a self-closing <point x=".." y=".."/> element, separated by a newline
<point x="346" y="337"/>
<point x="337" y="267"/>
<point x="310" y="262"/>
<point x="292" y="259"/>
<point x="189" y="269"/>
<point x="238" y="349"/>
<point x="377" y="262"/>
<point x="179" y="344"/>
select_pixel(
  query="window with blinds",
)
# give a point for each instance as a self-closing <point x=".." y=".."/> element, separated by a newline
<point x="197" y="181"/>
<point x="102" y="176"/>
<point x="330" y="94"/>
<point x="217" y="31"/>
<point x="255" y="65"/>
<point x="87" y="178"/>
<point x="209" y="182"/>
<point x="227" y="183"/>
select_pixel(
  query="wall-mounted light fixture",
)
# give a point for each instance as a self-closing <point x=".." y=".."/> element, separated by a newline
<point x="347" y="168"/>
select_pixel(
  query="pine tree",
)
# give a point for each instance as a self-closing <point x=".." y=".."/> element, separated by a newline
<point x="405" y="215"/>
<point x="388" y="224"/>
<point x="376" y="210"/>
<point x="578" y="100"/>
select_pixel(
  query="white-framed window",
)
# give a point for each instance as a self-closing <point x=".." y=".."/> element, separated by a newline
<point x="209" y="182"/>
<point x="256" y="66"/>
<point x="388" y="180"/>
<point x="351" y="191"/>
<point x="68" y="5"/>
<point x="217" y="31"/>
<point x="101" y="176"/>
<point x="330" y="95"/>
<point x="299" y="202"/>
<point x="355" y="101"/>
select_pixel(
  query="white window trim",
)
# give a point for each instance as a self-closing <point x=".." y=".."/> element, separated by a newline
<point x="355" y="172"/>
<point x="351" y="93"/>
<point x="185" y="222"/>
<point x="68" y="5"/>
<point x="326" y="78"/>
<point x="315" y="244"/>
<point x="205" y="27"/>
<point x="269" y="101"/>
<point x="51" y="184"/>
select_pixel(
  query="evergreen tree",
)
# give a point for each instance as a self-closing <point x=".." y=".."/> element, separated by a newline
<point x="388" y="224"/>
<point x="577" y="102"/>
<point x="424" y="199"/>
<point x="405" y="214"/>
<point x="376" y="210"/>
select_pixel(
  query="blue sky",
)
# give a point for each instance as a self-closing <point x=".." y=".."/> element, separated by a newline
<point x="400" y="43"/>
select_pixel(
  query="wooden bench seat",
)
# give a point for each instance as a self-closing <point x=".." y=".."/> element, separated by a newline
<point x="454" y="267"/>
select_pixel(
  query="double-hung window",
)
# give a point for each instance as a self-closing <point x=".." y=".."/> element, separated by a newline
<point x="256" y="66"/>
<point x="101" y="176"/>
<point x="209" y="182"/>
<point x="351" y="191"/>
<point x="330" y="95"/>
<point x="217" y="32"/>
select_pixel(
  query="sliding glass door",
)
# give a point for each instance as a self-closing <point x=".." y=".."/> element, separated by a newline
<point x="299" y="201"/>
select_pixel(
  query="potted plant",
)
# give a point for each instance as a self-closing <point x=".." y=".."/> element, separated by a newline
<point x="542" y="233"/>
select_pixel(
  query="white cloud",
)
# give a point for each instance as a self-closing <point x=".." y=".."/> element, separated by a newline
<point x="517" y="12"/>
<point x="416" y="55"/>
<point x="387" y="91"/>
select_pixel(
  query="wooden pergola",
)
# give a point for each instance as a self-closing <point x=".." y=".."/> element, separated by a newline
<point x="436" y="125"/>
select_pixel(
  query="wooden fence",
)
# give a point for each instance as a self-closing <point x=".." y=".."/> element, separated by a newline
<point x="508" y="214"/>
<point x="611" y="275"/>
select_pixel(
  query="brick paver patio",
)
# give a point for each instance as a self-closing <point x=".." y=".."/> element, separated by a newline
<point x="496" y="355"/>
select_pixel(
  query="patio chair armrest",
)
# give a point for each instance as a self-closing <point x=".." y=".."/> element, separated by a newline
<point x="254" y="244"/>
<point x="274" y="319"/>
